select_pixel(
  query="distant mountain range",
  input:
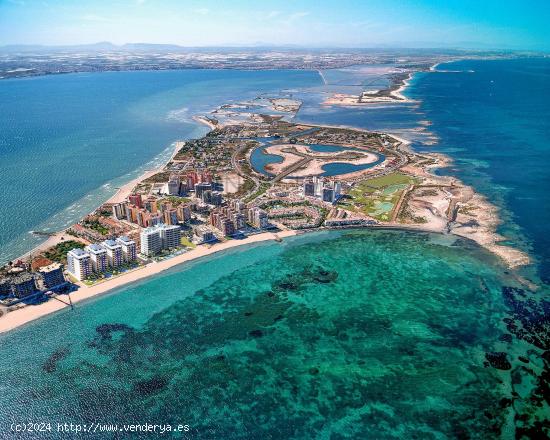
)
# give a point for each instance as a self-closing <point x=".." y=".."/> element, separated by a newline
<point x="106" y="46"/>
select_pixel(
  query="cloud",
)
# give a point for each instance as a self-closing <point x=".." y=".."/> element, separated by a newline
<point x="294" y="17"/>
<point x="140" y="2"/>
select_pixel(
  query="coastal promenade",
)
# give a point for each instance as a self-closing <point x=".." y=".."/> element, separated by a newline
<point x="25" y="315"/>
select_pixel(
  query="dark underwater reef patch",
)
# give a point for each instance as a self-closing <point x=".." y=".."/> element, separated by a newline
<point x="530" y="317"/>
<point x="106" y="331"/>
<point x="498" y="360"/>
<point x="332" y="334"/>
<point x="150" y="386"/>
<point x="58" y="355"/>
<point x="310" y="274"/>
<point x="530" y="321"/>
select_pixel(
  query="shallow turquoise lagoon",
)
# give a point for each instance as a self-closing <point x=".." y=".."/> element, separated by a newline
<point x="358" y="334"/>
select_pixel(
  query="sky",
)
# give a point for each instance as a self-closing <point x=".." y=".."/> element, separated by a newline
<point x="483" y="24"/>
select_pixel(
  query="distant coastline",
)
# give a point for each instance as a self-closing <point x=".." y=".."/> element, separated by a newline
<point x="485" y="237"/>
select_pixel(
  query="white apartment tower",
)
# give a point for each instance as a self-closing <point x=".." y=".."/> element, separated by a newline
<point x="159" y="237"/>
<point x="128" y="247"/>
<point x="170" y="236"/>
<point x="98" y="257"/>
<point x="79" y="264"/>
<point x="115" y="256"/>
<point x="151" y="242"/>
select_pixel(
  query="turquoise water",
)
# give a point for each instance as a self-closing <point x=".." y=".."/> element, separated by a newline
<point x="259" y="158"/>
<point x="371" y="334"/>
<point x="328" y="335"/>
<point x="67" y="141"/>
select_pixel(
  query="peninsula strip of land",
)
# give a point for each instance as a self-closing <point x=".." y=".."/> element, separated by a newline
<point x="212" y="196"/>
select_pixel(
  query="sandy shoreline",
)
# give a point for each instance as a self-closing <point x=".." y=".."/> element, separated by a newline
<point x="119" y="196"/>
<point x="27" y="314"/>
<point x="485" y="237"/>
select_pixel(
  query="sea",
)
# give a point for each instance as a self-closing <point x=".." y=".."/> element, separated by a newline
<point x="67" y="142"/>
<point x="337" y="334"/>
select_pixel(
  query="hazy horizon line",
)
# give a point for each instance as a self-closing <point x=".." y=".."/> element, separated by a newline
<point x="468" y="46"/>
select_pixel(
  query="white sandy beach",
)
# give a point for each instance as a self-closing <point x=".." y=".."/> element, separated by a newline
<point x="27" y="314"/>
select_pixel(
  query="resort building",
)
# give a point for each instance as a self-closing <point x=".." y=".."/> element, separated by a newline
<point x="309" y="188"/>
<point x="151" y="242"/>
<point x="5" y="287"/>
<point x="320" y="188"/>
<point x="258" y="218"/>
<point x="171" y="216"/>
<point x="204" y="235"/>
<point x="98" y="257"/>
<point x="51" y="275"/>
<point x="128" y="247"/>
<point x="202" y="187"/>
<point x="115" y="256"/>
<point x="79" y="264"/>
<point x="172" y="187"/>
<point x="160" y="237"/>
<point x="119" y="210"/>
<point x="170" y="236"/>
<point x="184" y="213"/>
<point x="212" y="198"/>
<point x="135" y="199"/>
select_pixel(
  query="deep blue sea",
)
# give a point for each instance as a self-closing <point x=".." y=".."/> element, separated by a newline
<point x="493" y="119"/>
<point x="354" y="334"/>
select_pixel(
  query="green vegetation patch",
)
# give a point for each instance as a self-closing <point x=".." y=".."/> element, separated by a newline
<point x="58" y="253"/>
<point x="96" y="226"/>
<point x="161" y="177"/>
<point x="187" y="243"/>
<point x="174" y="200"/>
<point x="377" y="197"/>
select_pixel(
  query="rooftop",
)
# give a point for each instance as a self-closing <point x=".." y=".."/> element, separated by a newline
<point x="95" y="248"/>
<point x="78" y="253"/>
<point x="111" y="244"/>
<point x="125" y="240"/>
<point x="50" y="267"/>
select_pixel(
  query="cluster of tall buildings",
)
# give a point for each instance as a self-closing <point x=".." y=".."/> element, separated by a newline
<point x="321" y="188"/>
<point x="151" y="212"/>
<point x="205" y="192"/>
<point x="181" y="185"/>
<point x="257" y="217"/>
<point x="158" y="238"/>
<point x="230" y="219"/>
<point x="22" y="284"/>
<point x="100" y="257"/>
<point x="227" y="220"/>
